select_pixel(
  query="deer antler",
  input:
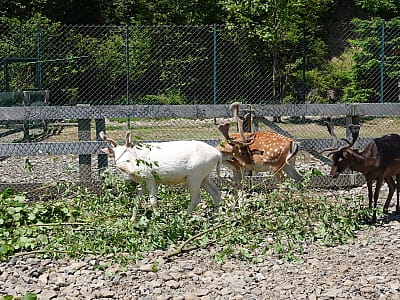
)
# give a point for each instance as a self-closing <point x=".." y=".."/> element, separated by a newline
<point x="329" y="126"/>
<point x="106" y="139"/>
<point x="249" y="119"/>
<point x="128" y="139"/>
<point x="354" y="129"/>
<point x="234" y="108"/>
<point x="224" y="129"/>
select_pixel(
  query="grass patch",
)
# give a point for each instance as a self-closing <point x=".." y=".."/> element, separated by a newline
<point x="82" y="222"/>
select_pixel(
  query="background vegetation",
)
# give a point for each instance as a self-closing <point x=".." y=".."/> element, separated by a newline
<point x="298" y="43"/>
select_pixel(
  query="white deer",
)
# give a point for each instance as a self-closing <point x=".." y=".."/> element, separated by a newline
<point x="173" y="162"/>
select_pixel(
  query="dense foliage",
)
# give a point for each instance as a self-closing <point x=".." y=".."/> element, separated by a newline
<point x="191" y="12"/>
<point x="79" y="222"/>
<point x="292" y="40"/>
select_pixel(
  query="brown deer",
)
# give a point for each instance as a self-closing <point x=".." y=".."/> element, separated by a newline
<point x="380" y="161"/>
<point x="258" y="151"/>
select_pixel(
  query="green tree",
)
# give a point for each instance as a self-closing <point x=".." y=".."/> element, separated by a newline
<point x="139" y="12"/>
<point x="369" y="63"/>
<point x="386" y="9"/>
<point x="163" y="12"/>
<point x="278" y="28"/>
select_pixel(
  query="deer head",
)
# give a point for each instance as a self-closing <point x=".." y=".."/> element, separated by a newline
<point x="113" y="143"/>
<point x="341" y="156"/>
<point x="259" y="150"/>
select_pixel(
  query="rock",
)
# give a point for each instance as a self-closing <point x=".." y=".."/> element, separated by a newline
<point x="202" y="292"/>
<point x="106" y="293"/>
<point x="147" y="268"/>
<point x="172" y="284"/>
<point x="190" y="296"/>
<point x="42" y="280"/>
<point x="365" y="268"/>
<point x="47" y="295"/>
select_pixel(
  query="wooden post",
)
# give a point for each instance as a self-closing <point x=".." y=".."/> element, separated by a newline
<point x="102" y="159"/>
<point x="84" y="159"/>
<point x="352" y="118"/>
<point x="25" y="123"/>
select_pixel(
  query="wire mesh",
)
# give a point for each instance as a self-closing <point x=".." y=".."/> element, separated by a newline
<point x="198" y="64"/>
<point x="118" y="65"/>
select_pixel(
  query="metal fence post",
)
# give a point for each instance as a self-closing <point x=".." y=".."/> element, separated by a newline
<point x="127" y="68"/>
<point x="382" y="61"/>
<point x="304" y="64"/>
<point x="38" y="81"/>
<point x="84" y="159"/>
<point x="102" y="159"/>
<point x="215" y="64"/>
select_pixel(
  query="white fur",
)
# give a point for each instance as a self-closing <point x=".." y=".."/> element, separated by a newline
<point x="171" y="163"/>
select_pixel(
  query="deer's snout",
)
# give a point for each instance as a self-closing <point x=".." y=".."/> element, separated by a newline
<point x="334" y="173"/>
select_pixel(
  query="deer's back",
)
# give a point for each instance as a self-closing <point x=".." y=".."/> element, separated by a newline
<point x="387" y="148"/>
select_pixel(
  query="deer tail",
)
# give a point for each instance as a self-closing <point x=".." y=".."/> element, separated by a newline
<point x="294" y="148"/>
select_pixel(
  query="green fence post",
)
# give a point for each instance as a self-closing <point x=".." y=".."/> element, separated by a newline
<point x="127" y="68"/>
<point x="127" y="62"/>
<point x="38" y="81"/>
<point x="215" y="64"/>
<point x="382" y="60"/>
<point x="304" y="63"/>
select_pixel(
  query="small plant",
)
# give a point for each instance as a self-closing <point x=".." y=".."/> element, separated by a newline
<point x="80" y="222"/>
<point x="27" y="296"/>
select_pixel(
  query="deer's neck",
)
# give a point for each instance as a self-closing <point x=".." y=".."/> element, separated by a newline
<point x="362" y="163"/>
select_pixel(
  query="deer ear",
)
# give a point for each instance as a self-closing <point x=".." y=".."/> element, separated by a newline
<point x="346" y="154"/>
<point x="107" y="150"/>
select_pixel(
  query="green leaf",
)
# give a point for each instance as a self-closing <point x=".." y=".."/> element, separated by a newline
<point x="30" y="296"/>
<point x="31" y="216"/>
<point x="11" y="210"/>
<point x="20" y="198"/>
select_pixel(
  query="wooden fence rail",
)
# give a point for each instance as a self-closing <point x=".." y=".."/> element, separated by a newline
<point x="83" y="114"/>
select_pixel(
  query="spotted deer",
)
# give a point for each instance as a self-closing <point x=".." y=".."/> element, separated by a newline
<point x="380" y="161"/>
<point x="257" y="151"/>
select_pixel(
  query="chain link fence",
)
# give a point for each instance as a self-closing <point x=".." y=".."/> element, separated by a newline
<point x="200" y="65"/>
<point x="134" y="65"/>
<point x="192" y="65"/>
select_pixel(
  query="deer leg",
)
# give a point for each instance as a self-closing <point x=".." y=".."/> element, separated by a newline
<point x="214" y="192"/>
<point x="151" y="187"/>
<point x="397" y="193"/>
<point x="278" y="175"/>
<point x="370" y="193"/>
<point x="292" y="172"/>
<point x="194" y="190"/>
<point x="236" y="172"/>
<point x="238" y="179"/>
<point x="378" y="186"/>
<point x="392" y="186"/>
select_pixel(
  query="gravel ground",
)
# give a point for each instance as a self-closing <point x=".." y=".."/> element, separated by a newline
<point x="365" y="268"/>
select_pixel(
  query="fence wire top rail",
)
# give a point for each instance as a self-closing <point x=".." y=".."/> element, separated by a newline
<point x="190" y="111"/>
